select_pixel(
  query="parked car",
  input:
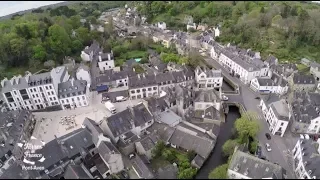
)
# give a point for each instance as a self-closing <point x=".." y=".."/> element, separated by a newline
<point x="224" y="98"/>
<point x="268" y="136"/>
<point x="257" y="97"/>
<point x="268" y="147"/>
<point x="132" y="155"/>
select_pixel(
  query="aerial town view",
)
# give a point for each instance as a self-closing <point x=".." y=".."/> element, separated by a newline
<point x="160" y="90"/>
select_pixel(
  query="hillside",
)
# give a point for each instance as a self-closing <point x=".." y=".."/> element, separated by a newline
<point x="48" y="33"/>
<point x="289" y="30"/>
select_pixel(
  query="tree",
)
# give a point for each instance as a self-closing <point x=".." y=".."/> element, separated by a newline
<point x="188" y="173"/>
<point x="168" y="155"/>
<point x="228" y="147"/>
<point x="39" y="53"/>
<point x="219" y="172"/>
<point x="60" y="41"/>
<point x="156" y="152"/>
<point x="247" y="126"/>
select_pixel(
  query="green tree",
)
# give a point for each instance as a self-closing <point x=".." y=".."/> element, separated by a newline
<point x="253" y="146"/>
<point x="60" y="41"/>
<point x="191" y="154"/>
<point x="169" y="155"/>
<point x="247" y="126"/>
<point x="188" y="173"/>
<point x="219" y="172"/>
<point x="228" y="147"/>
<point x="157" y="150"/>
<point x="39" y="53"/>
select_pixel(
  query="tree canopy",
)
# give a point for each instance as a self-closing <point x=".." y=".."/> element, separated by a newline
<point x="247" y="126"/>
<point x="219" y="172"/>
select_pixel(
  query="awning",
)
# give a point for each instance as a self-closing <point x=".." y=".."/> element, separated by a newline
<point x="102" y="88"/>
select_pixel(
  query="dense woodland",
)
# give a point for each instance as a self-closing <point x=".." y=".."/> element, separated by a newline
<point x="288" y="30"/>
<point x="27" y="41"/>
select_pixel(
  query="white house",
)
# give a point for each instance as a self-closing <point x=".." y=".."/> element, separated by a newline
<point x="34" y="91"/>
<point x="246" y="166"/>
<point x="73" y="94"/>
<point x="208" y="79"/>
<point x="162" y="25"/>
<point x="192" y="26"/>
<point x="207" y="99"/>
<point x="142" y="86"/>
<point x="106" y="61"/>
<point x="83" y="73"/>
<point x="307" y="160"/>
<point x="88" y="53"/>
<point x="241" y="63"/>
<point x="275" y="84"/>
<point x="216" y="32"/>
<point x="278" y="117"/>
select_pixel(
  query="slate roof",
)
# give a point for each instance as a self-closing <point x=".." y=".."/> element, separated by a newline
<point x="281" y="110"/>
<point x="270" y="98"/>
<point x="315" y="65"/>
<point x="155" y="104"/>
<point x="106" y="150"/>
<point x="142" y="80"/>
<point x="303" y="79"/>
<point x="210" y="73"/>
<point x="311" y="156"/>
<point x="279" y="80"/>
<point x="254" y="166"/>
<point x="266" y="82"/>
<point x="202" y="146"/>
<point x="207" y="96"/>
<point x="110" y="75"/>
<point x="14" y="172"/>
<point x="75" y="172"/>
<point x="285" y="70"/>
<point x="168" y="172"/>
<point x="271" y="60"/>
<point x="179" y="76"/>
<point x="305" y="106"/>
<point x="149" y="141"/>
<point x="12" y="124"/>
<point x="123" y="121"/>
<point x="141" y="168"/>
<point x="72" y="88"/>
<point x="17" y="83"/>
<point x="164" y="77"/>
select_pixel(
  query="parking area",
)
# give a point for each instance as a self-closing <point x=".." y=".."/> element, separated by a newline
<point x="51" y="124"/>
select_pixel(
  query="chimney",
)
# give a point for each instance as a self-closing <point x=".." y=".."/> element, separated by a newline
<point x="109" y="57"/>
<point x="72" y="80"/>
<point x="138" y="76"/>
<point x="144" y="76"/>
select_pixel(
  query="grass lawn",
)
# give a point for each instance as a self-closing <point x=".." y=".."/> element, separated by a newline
<point x="136" y="54"/>
<point x="303" y="68"/>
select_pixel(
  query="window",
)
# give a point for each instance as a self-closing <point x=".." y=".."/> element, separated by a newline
<point x="31" y="90"/>
<point x="72" y="99"/>
<point x="50" y="99"/>
<point x="49" y="93"/>
<point x="15" y="92"/>
<point x="143" y="90"/>
<point x="40" y="88"/>
<point x="78" y="98"/>
<point x="149" y="89"/>
<point x="133" y="91"/>
<point x="282" y="124"/>
<point x="52" y="92"/>
<point x="62" y="101"/>
<point x="138" y="90"/>
<point x="33" y="96"/>
<point x="47" y="88"/>
<point x="154" y="88"/>
<point x="83" y="98"/>
<point x="67" y="100"/>
<point x="37" y="95"/>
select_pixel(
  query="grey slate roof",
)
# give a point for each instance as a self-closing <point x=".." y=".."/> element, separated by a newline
<point x="169" y="117"/>
<point x="303" y="79"/>
<point x="270" y="98"/>
<point x="209" y="72"/>
<point x="141" y="168"/>
<point x="142" y="80"/>
<point x="123" y="121"/>
<point x="72" y="88"/>
<point x="179" y="76"/>
<point x="43" y="78"/>
<point x="255" y="167"/>
<point x="311" y="156"/>
<point x="271" y="60"/>
<point x="315" y="65"/>
<point x="168" y="172"/>
<point x="110" y="75"/>
<point x="17" y="83"/>
<point x="164" y="77"/>
<point x="106" y="150"/>
<point x="279" y="80"/>
<point x="156" y="104"/>
<point x="305" y="106"/>
<point x="207" y="96"/>
<point x="75" y="172"/>
<point x="150" y="141"/>
<point x="281" y="110"/>
<point x="12" y="124"/>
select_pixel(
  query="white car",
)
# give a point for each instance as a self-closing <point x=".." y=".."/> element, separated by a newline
<point x="268" y="147"/>
<point x="224" y="98"/>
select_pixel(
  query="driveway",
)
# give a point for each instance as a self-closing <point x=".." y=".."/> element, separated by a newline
<point x="278" y="144"/>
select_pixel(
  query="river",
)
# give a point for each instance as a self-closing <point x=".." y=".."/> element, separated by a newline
<point x="216" y="157"/>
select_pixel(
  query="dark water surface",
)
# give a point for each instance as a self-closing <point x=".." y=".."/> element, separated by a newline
<point x="216" y="158"/>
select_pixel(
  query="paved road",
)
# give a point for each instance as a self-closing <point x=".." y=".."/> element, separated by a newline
<point x="278" y="144"/>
